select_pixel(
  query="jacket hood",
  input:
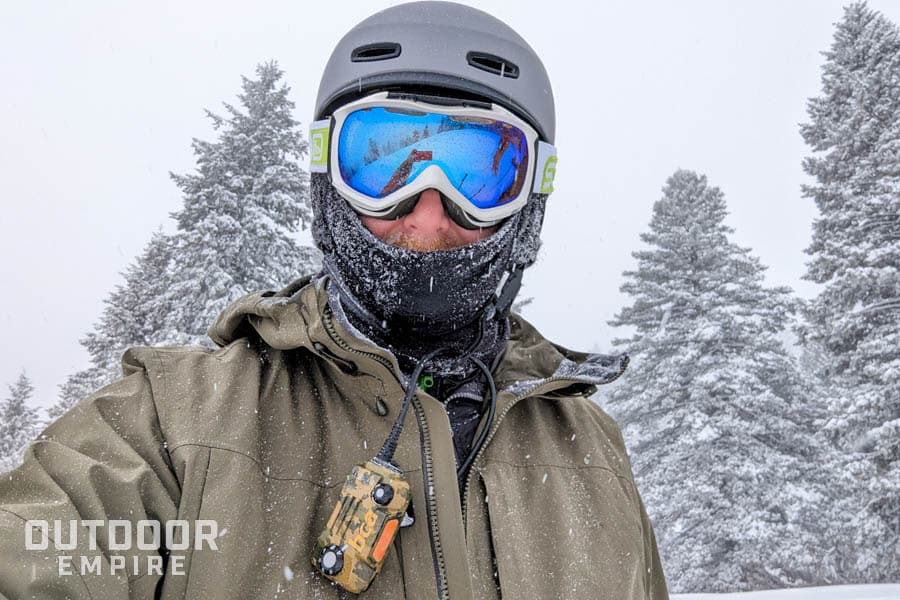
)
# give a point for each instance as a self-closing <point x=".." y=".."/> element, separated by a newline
<point x="298" y="317"/>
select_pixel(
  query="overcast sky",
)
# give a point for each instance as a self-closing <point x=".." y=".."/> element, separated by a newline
<point x="100" y="100"/>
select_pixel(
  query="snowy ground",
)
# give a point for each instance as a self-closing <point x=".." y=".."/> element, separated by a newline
<point x="837" y="592"/>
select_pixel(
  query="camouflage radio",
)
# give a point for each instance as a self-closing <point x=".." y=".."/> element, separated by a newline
<point x="362" y="526"/>
<point x="372" y="508"/>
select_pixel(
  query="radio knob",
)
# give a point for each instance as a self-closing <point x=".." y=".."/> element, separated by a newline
<point x="332" y="560"/>
<point x="383" y="494"/>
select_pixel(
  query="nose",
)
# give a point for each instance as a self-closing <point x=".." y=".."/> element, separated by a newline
<point x="428" y="216"/>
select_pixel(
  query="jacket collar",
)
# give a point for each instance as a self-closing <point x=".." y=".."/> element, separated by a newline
<point x="299" y="316"/>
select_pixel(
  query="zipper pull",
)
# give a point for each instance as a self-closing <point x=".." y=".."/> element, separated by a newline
<point x="345" y="366"/>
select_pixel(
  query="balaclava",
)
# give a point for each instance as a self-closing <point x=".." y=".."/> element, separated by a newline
<point x="413" y="302"/>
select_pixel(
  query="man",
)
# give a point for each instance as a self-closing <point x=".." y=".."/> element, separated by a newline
<point x="224" y="474"/>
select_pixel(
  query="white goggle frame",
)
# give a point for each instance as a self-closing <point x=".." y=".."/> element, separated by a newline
<point x="324" y="159"/>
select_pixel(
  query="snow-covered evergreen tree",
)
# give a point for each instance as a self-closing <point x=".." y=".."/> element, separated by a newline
<point x="241" y="208"/>
<point x="78" y="386"/>
<point x="19" y="423"/>
<point x="136" y="313"/>
<point x="716" y="417"/>
<point x="854" y="322"/>
<point x="235" y="235"/>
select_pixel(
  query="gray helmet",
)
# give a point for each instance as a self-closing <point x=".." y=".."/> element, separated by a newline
<point x="440" y="46"/>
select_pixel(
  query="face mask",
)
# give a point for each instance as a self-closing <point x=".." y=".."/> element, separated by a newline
<point x="420" y="293"/>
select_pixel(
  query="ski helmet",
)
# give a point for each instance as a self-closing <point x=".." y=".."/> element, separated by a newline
<point x="440" y="46"/>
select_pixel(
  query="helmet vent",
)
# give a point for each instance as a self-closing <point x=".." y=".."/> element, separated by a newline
<point x="377" y="51"/>
<point x="493" y="64"/>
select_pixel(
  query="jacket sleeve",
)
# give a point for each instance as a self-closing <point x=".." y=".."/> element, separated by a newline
<point x="105" y="459"/>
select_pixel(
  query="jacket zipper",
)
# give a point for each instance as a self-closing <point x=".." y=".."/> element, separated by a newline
<point x="333" y="334"/>
<point x="496" y="425"/>
<point x="437" y="555"/>
<point x="440" y="567"/>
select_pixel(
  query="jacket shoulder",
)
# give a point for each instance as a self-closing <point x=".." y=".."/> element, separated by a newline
<point x="200" y="392"/>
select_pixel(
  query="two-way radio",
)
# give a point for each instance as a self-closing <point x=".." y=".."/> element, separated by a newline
<point x="374" y="500"/>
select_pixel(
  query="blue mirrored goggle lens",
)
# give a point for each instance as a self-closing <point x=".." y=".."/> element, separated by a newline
<point x="380" y="150"/>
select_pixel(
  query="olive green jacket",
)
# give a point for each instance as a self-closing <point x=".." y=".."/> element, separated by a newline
<point x="259" y="436"/>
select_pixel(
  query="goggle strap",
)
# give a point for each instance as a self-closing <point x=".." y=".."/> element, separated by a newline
<point x="506" y="291"/>
<point x="319" y="138"/>
<point x="544" y="168"/>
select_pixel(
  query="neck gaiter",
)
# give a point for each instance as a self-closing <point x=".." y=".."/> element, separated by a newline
<point x="414" y="302"/>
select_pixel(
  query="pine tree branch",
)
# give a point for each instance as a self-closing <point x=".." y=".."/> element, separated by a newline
<point x="890" y="303"/>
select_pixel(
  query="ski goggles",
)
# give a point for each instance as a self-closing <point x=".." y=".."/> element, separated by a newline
<point x="381" y="152"/>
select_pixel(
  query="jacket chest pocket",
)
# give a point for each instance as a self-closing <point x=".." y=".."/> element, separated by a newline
<point x="563" y="532"/>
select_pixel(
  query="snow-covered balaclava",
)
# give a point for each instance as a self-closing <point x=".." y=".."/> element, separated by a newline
<point x="414" y="302"/>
